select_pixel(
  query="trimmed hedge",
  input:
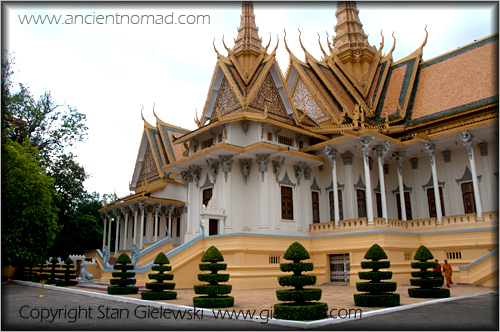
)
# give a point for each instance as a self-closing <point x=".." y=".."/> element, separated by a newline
<point x="214" y="267"/>
<point x="429" y="292"/>
<point x="123" y="286"/>
<point x="68" y="275"/>
<point x="213" y="290"/>
<point x="304" y="311"/>
<point x="295" y="295"/>
<point x="297" y="281"/>
<point x="213" y="279"/>
<point x="157" y="296"/>
<point x="299" y="306"/>
<point x="428" y="281"/>
<point x="423" y="265"/>
<point x="159" y="287"/>
<point x="376" y="287"/>
<point x="215" y="294"/>
<point x="52" y="276"/>
<point x="213" y="302"/>
<point x="296" y="267"/>
<point x="116" y="290"/>
<point x="159" y="290"/>
<point x="381" y="300"/>
<point x="376" y="293"/>
<point x="375" y="265"/>
<point x="375" y="276"/>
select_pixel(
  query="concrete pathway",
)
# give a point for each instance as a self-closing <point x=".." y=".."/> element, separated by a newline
<point x="23" y="310"/>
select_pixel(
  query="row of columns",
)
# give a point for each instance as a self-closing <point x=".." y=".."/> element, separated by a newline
<point x="382" y="151"/>
<point x="136" y="209"/>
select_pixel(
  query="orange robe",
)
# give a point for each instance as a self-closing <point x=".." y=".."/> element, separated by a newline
<point x="447" y="273"/>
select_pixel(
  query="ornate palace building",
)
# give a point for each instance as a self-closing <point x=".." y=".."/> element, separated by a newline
<point x="338" y="153"/>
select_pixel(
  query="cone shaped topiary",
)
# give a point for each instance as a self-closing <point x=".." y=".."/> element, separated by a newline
<point x="300" y="306"/>
<point x="377" y="293"/>
<point x="214" y="294"/>
<point x="123" y="282"/>
<point x="160" y="290"/>
<point x="66" y="280"/>
<point x="428" y="281"/>
<point x="52" y="275"/>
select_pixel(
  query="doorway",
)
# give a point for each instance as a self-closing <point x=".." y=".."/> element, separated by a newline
<point x="213" y="227"/>
<point x="340" y="268"/>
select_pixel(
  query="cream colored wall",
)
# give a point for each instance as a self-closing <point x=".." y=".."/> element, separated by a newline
<point x="248" y="256"/>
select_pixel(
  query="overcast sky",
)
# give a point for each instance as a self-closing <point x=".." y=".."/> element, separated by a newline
<point x="108" y="71"/>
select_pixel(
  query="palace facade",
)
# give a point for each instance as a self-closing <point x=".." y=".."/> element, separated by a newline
<point x="338" y="153"/>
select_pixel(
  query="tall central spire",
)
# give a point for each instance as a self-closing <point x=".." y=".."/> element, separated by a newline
<point x="351" y="43"/>
<point x="248" y="36"/>
<point x="349" y="30"/>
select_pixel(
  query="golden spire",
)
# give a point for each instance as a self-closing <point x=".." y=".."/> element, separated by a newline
<point x="349" y="30"/>
<point x="351" y="43"/>
<point x="248" y="36"/>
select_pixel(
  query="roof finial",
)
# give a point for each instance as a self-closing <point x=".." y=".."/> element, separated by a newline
<point x="154" y="110"/>
<point x="382" y="43"/>
<point x="223" y="43"/>
<point x="277" y="43"/>
<point x="300" y="40"/>
<point x="248" y="36"/>
<point x="321" y="47"/>
<point x="196" y="120"/>
<point x="328" y="42"/>
<point x="284" y="38"/>
<point x="265" y="48"/>
<point x="142" y="116"/>
<point x="218" y="54"/>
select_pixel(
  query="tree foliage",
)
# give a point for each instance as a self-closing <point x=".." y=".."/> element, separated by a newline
<point x="38" y="133"/>
<point x="29" y="212"/>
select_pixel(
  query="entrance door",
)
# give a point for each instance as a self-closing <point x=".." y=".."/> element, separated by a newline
<point x="340" y="268"/>
<point x="213" y="227"/>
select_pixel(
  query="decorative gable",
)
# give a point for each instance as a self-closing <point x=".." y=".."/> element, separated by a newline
<point x="148" y="172"/>
<point x="268" y="95"/>
<point x="226" y="101"/>
<point x="305" y="101"/>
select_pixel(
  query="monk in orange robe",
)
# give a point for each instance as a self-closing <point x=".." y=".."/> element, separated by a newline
<point x="447" y="273"/>
<point x="437" y="268"/>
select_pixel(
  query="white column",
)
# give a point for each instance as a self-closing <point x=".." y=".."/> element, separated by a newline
<point x="483" y="149"/>
<point x="136" y="212"/>
<point x="141" y="234"/>
<point x="155" y="229"/>
<point x="331" y="155"/>
<point x="125" y="228"/>
<point x="263" y="162"/>
<point x="466" y="138"/>
<point x="365" y="143"/>
<point x="382" y="151"/>
<point x="109" y="231"/>
<point x="103" y="217"/>
<point x="429" y="149"/>
<point x="306" y="220"/>
<point x="170" y="210"/>
<point x="350" y="196"/>
<point x="118" y="215"/>
<point x="399" y="155"/>
<point x="227" y="165"/>
<point x="188" y="180"/>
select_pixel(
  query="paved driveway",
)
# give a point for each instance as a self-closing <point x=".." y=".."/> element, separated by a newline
<point x="22" y="309"/>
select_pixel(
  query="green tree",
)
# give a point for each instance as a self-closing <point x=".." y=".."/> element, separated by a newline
<point x="29" y="211"/>
<point x="52" y="128"/>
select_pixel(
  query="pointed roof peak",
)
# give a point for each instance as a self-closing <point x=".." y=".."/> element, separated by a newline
<point x="349" y="30"/>
<point x="248" y="33"/>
